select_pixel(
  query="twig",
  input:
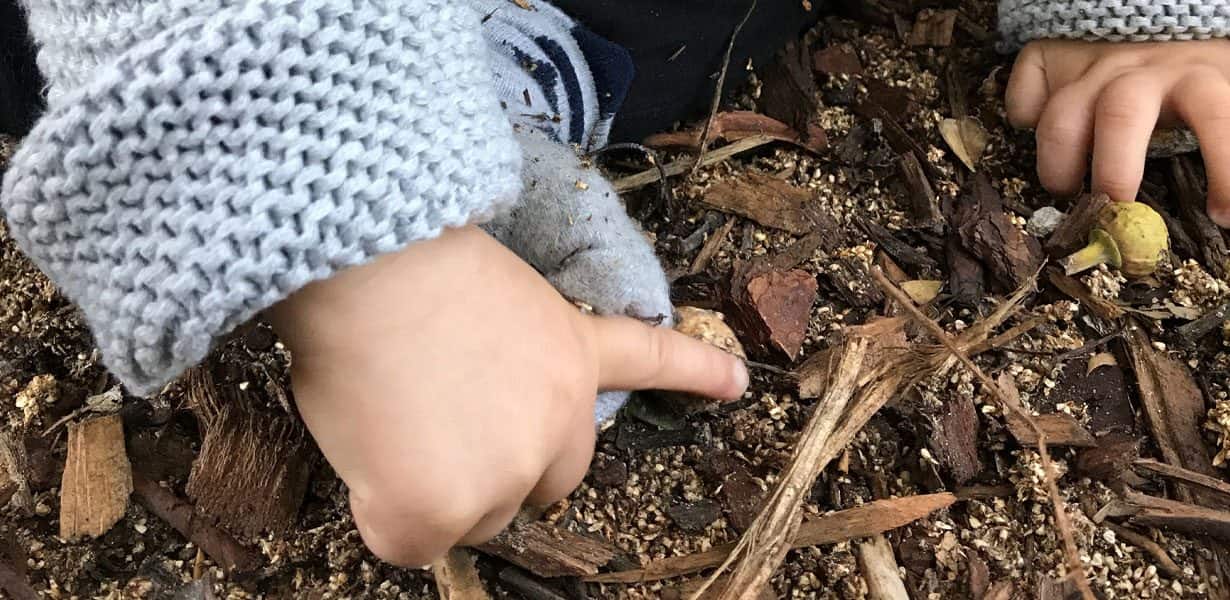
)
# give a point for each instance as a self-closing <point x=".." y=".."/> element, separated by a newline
<point x="664" y="190"/>
<point x="1164" y="562"/>
<point x="721" y="83"/>
<point x="751" y="364"/>
<point x="1072" y="553"/>
<point x="1087" y="348"/>
<point x="179" y="514"/>
<point x="1184" y="475"/>
<point x="679" y="167"/>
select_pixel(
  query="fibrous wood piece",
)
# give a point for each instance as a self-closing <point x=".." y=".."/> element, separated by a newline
<point x="738" y="125"/>
<point x="1180" y="474"/>
<point x="1175" y="408"/>
<point x="879" y="569"/>
<point x="456" y="577"/>
<point x="988" y="232"/>
<point x="180" y="515"/>
<point x="252" y="470"/>
<point x="548" y="551"/>
<point x="1073" y="232"/>
<point x="15" y="473"/>
<point x="1179" y="516"/>
<point x="954" y="439"/>
<point x="765" y="200"/>
<point x="853" y="523"/>
<point x="97" y="478"/>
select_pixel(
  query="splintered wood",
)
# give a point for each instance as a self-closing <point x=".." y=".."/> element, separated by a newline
<point x="853" y="523"/>
<point x="548" y="551"/>
<point x="456" y="577"/>
<point x="97" y="478"/>
<point x="252" y="469"/>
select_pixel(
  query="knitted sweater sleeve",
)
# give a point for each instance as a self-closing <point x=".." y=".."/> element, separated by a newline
<point x="202" y="159"/>
<point x="1021" y="21"/>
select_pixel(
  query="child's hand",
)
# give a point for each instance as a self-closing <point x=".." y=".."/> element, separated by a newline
<point x="449" y="383"/>
<point x="1109" y="97"/>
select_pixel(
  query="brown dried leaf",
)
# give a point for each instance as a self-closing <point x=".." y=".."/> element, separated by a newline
<point x="97" y="478"/>
<point x="967" y="138"/>
<point x="1060" y="429"/>
<point x="922" y="291"/>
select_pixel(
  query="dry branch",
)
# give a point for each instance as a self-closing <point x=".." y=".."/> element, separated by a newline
<point x="1184" y="475"/>
<point x="180" y="514"/>
<point x="862" y="521"/>
<point x="679" y="167"/>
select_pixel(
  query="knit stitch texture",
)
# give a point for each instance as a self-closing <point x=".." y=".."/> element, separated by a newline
<point x="202" y="159"/>
<point x="1021" y="21"/>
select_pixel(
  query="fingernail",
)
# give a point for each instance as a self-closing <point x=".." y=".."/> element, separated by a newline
<point x="741" y="377"/>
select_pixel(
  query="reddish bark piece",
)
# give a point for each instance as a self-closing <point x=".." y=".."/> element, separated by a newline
<point x="765" y="200"/>
<point x="837" y="60"/>
<point x="733" y="126"/>
<point x="783" y="302"/>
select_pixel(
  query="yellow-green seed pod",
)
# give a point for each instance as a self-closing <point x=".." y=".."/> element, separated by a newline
<point x="1129" y="236"/>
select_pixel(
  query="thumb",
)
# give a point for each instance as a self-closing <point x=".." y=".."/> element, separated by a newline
<point x="636" y="356"/>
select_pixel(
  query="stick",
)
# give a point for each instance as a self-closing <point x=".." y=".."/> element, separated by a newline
<point x="1071" y="552"/>
<point x="679" y="167"/>
<point x="1184" y="475"/>
<point x="1164" y="562"/>
<point x="721" y="83"/>
<point x="879" y="567"/>
<point x="861" y="521"/>
<point x="179" y="514"/>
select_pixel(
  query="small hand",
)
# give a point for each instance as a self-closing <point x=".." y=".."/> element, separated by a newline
<point x="1107" y="98"/>
<point x="449" y="383"/>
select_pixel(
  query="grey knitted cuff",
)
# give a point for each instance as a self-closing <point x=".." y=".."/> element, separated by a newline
<point x="1022" y="21"/>
<point x="243" y="150"/>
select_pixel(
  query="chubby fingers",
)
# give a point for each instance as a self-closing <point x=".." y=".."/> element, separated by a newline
<point x="1203" y="102"/>
<point x="1125" y="114"/>
<point x="636" y="356"/>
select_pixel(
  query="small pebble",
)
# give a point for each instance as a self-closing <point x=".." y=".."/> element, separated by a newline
<point x="1044" y="221"/>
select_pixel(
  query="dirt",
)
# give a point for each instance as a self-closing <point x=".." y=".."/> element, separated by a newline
<point x="670" y="485"/>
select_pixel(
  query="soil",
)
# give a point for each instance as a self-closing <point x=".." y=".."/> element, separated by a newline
<point x="665" y="484"/>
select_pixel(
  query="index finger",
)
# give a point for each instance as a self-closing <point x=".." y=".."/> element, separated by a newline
<point x="636" y="356"/>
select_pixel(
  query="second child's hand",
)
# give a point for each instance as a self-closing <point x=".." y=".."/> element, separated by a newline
<point x="1105" y="99"/>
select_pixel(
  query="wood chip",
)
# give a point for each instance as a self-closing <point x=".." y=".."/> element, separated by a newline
<point x="1110" y="459"/>
<point x="862" y="521"/>
<point x="1179" y="516"/>
<point x="879" y="569"/>
<point x="1212" y="484"/>
<point x="788" y="92"/>
<point x="986" y="230"/>
<point x="1073" y="232"/>
<point x="925" y="210"/>
<point x="953" y="439"/>
<point x="733" y="126"/>
<point x="1175" y="408"/>
<point x="933" y="28"/>
<point x="901" y="252"/>
<point x="1165" y="143"/>
<point x="1190" y="334"/>
<point x="456" y="577"/>
<point x="967" y="138"/>
<point x="1060" y="429"/>
<point x="840" y="59"/>
<point x="1191" y="200"/>
<point x="548" y="551"/>
<point x="766" y="200"/>
<point x="97" y="478"/>
<point x="1101" y="359"/>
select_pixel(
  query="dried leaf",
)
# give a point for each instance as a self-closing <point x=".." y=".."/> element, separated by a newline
<point x="922" y="291"/>
<point x="1060" y="429"/>
<point x="1101" y="359"/>
<point x="967" y="139"/>
<point x="97" y="478"/>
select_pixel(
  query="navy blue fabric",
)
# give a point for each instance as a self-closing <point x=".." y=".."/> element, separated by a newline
<point x="544" y="73"/>
<point x="612" y="69"/>
<point x="572" y="87"/>
<point x="21" y="85"/>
